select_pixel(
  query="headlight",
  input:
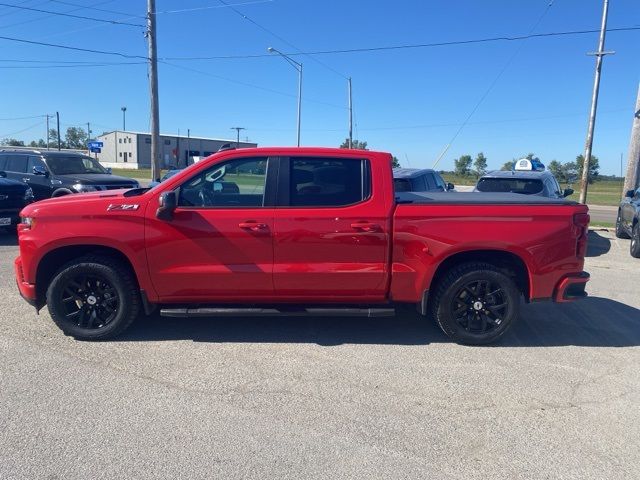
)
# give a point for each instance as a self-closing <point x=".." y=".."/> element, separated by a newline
<point x="78" y="187"/>
<point x="28" y="223"/>
<point x="28" y="195"/>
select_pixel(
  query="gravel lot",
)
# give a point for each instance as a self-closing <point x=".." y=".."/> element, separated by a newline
<point x="559" y="397"/>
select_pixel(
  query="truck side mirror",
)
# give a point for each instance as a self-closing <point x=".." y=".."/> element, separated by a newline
<point x="168" y="203"/>
<point x="40" y="170"/>
<point x="630" y="193"/>
<point x="567" y="192"/>
<point x="450" y="186"/>
<point x="109" y="171"/>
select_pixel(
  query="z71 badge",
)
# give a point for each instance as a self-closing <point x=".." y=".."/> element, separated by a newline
<point x="123" y="207"/>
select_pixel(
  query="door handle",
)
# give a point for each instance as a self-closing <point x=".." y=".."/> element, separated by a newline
<point x="26" y="180"/>
<point x="366" y="226"/>
<point x="253" y="226"/>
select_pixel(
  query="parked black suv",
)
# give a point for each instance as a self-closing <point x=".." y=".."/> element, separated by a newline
<point x="628" y="221"/>
<point x="13" y="197"/>
<point x="56" y="173"/>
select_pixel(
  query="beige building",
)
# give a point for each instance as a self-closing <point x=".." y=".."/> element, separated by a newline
<point x="133" y="149"/>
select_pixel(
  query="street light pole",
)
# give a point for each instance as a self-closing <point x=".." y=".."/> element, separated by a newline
<point x="124" y="119"/>
<point x="298" y="67"/>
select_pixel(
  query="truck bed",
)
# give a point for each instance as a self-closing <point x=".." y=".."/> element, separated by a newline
<point x="477" y="198"/>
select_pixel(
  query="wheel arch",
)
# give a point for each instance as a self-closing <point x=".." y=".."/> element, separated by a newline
<point x="509" y="262"/>
<point x="56" y="258"/>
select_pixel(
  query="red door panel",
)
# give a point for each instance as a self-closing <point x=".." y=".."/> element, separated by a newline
<point x="211" y="254"/>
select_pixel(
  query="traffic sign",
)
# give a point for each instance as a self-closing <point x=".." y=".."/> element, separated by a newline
<point x="95" y="144"/>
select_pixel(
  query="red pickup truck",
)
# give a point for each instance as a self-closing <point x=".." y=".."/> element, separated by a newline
<point x="297" y="231"/>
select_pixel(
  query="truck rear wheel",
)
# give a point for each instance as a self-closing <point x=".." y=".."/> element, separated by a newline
<point x="475" y="303"/>
<point x="93" y="298"/>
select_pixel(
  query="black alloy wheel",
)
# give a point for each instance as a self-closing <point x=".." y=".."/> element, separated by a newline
<point x="479" y="306"/>
<point x="93" y="298"/>
<point x="89" y="301"/>
<point x="475" y="303"/>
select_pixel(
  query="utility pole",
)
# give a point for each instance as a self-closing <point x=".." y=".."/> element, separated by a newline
<point x="594" y="104"/>
<point x="48" y="116"/>
<point x="58" y="128"/>
<point x="153" y="87"/>
<point x="186" y="162"/>
<point x="238" y="130"/>
<point x="88" y="131"/>
<point x="633" y="163"/>
<point x="350" y="117"/>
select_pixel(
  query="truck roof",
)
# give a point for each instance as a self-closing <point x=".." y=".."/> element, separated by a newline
<point x="516" y="174"/>
<point x="410" y="172"/>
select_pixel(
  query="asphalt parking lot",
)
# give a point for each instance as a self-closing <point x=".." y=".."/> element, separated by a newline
<point x="559" y="397"/>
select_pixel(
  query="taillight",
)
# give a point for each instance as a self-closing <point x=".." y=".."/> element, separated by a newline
<point x="581" y="224"/>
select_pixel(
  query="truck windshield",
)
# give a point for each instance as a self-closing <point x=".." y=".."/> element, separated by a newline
<point x="513" y="185"/>
<point x="72" y="165"/>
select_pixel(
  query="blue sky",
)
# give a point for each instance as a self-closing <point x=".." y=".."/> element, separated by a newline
<point x="409" y="102"/>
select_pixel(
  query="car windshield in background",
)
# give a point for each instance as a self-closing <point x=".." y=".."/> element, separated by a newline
<point x="510" y="185"/>
<point x="73" y="165"/>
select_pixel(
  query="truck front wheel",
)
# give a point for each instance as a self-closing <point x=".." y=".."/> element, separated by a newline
<point x="475" y="303"/>
<point x="93" y="298"/>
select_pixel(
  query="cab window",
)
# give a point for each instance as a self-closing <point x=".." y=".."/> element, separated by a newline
<point x="237" y="183"/>
<point x="325" y="182"/>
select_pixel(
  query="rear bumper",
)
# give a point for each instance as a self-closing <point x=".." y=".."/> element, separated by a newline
<point x="571" y="288"/>
<point x="27" y="290"/>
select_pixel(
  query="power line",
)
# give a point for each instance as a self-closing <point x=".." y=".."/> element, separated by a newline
<point x="89" y="65"/>
<point x="5" y="135"/>
<point x="250" y="85"/>
<point x="411" y="46"/>
<point x="21" y="118"/>
<point x="66" y="47"/>
<point x="89" y="7"/>
<point x="81" y="17"/>
<point x="491" y="86"/>
<point x="238" y="12"/>
<point x="209" y="7"/>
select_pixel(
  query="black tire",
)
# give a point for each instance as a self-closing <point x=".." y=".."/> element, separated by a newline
<point x="634" y="248"/>
<point x="620" y="232"/>
<point x="93" y="298"/>
<point x="475" y="303"/>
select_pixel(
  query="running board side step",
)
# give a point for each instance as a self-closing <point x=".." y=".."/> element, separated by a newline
<point x="273" y="312"/>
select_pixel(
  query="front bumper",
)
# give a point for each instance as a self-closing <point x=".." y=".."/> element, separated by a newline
<point x="571" y="288"/>
<point x="27" y="290"/>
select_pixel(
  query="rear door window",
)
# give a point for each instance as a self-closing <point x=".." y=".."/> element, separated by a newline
<point x="3" y="162"/>
<point x="528" y="186"/>
<point x="17" y="164"/>
<point x="325" y="182"/>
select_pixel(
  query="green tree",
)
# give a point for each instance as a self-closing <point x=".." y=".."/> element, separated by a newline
<point x="76" y="138"/>
<point x="557" y="169"/>
<point x="53" y="139"/>
<point x="11" y="142"/>
<point x="395" y="163"/>
<point x="480" y="165"/>
<point x="594" y="167"/>
<point x="508" y="165"/>
<point x="463" y="165"/>
<point x="39" y="144"/>
<point x="356" y="145"/>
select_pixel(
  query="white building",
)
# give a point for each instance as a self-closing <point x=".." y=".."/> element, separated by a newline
<point x="133" y="149"/>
